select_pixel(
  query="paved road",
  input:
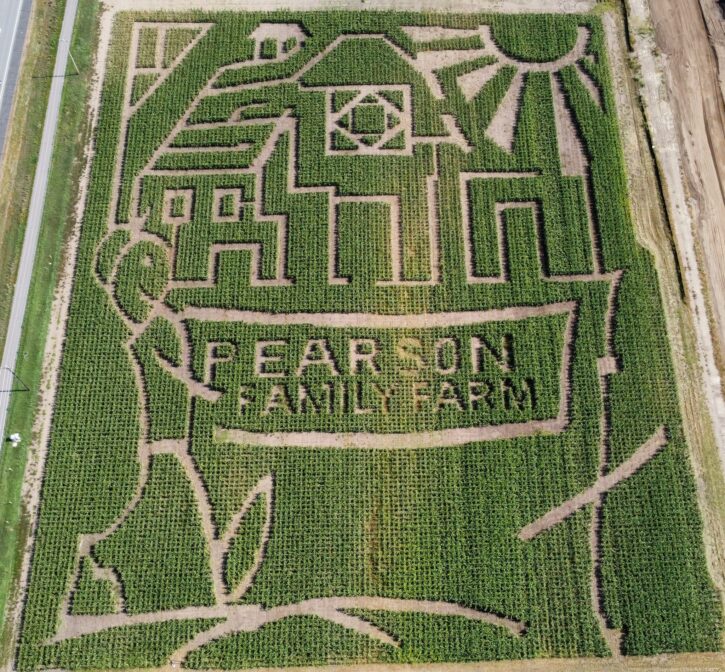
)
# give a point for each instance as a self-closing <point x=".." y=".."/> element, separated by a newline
<point x="14" y="15"/>
<point x="35" y="215"/>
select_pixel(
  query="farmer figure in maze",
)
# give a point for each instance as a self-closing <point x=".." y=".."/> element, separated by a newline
<point x="367" y="141"/>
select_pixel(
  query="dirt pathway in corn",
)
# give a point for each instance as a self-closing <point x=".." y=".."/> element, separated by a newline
<point x="681" y="36"/>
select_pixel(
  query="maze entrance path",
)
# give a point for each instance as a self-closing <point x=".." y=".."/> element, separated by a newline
<point x="364" y="363"/>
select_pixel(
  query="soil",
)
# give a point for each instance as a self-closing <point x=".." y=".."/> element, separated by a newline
<point x="690" y="36"/>
<point x="510" y="6"/>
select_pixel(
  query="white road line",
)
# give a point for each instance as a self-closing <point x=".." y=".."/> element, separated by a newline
<point x="14" y="17"/>
<point x="35" y="216"/>
<point x="10" y="45"/>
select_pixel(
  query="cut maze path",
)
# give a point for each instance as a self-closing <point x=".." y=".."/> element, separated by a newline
<point x="246" y="618"/>
<point x="252" y="617"/>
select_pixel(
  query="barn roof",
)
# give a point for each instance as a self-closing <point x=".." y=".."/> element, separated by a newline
<point x="359" y="60"/>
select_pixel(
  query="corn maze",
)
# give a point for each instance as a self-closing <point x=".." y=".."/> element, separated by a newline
<point x="363" y="361"/>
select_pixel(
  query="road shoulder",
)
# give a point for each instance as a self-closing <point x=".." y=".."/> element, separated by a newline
<point x="58" y="219"/>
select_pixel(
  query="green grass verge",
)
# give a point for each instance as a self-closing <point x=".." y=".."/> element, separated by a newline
<point x="56" y="226"/>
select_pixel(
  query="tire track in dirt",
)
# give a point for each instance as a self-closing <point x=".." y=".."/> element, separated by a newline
<point x="686" y="33"/>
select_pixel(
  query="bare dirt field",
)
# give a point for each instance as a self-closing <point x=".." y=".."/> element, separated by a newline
<point x="690" y="35"/>
<point x="689" y="42"/>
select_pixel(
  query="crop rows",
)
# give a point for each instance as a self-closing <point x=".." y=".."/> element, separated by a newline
<point x="163" y="359"/>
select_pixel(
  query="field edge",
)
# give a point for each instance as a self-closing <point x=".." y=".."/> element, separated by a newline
<point x="699" y="435"/>
<point x="20" y="467"/>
